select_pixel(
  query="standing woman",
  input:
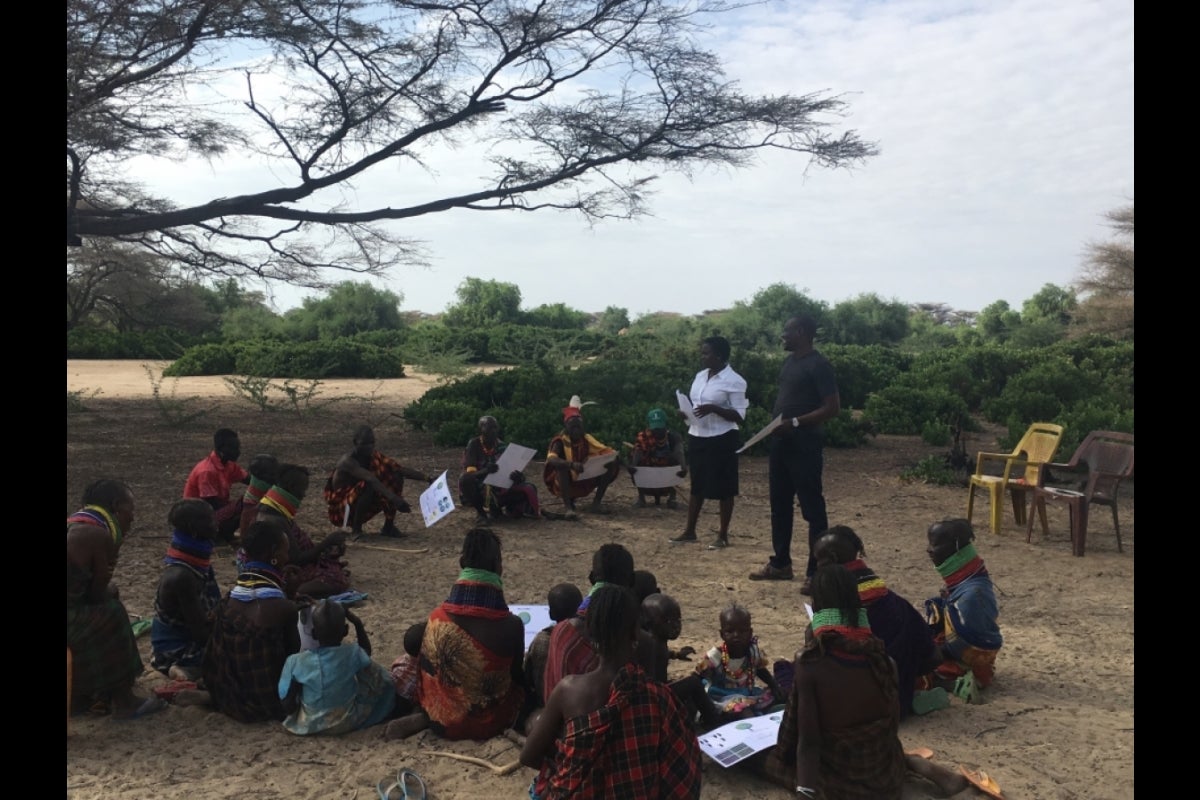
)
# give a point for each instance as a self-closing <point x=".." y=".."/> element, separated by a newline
<point x="719" y="401"/>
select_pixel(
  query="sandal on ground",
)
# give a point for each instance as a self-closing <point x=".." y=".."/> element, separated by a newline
<point x="684" y="540"/>
<point x="982" y="781"/>
<point x="411" y="785"/>
<point x="966" y="689"/>
<point x="385" y="789"/>
<point x="719" y="544"/>
<point x="934" y="699"/>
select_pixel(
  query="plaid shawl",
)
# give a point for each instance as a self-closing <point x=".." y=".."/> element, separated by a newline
<point x="242" y="665"/>
<point x="865" y="762"/>
<point x="637" y="745"/>
<point x="102" y="645"/>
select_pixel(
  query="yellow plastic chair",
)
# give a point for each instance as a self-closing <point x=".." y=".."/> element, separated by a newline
<point x="1021" y="471"/>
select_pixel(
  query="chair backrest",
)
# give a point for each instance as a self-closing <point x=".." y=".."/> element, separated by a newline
<point x="1109" y="459"/>
<point x="1038" y="446"/>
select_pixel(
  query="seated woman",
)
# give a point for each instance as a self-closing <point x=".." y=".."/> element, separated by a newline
<point x="613" y="732"/>
<point x="105" y="658"/>
<point x="903" y="629"/>
<point x="319" y="571"/>
<point x="472" y="653"/>
<point x="839" y="737"/>
<point x="479" y="461"/>
<point x="963" y="616"/>
<point x="264" y="471"/>
<point x="187" y="592"/>
<point x="254" y="631"/>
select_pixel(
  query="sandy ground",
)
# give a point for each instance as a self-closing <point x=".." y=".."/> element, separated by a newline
<point x="1057" y="723"/>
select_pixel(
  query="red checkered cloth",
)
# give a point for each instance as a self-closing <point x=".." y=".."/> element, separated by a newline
<point x="638" y="745"/>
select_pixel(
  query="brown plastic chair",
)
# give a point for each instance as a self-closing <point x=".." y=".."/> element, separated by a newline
<point x="1021" y="471"/>
<point x="1108" y="458"/>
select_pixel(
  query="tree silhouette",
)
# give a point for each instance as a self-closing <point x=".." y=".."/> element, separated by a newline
<point x="560" y="104"/>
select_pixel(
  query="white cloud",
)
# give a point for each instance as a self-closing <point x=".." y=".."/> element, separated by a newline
<point x="1005" y="130"/>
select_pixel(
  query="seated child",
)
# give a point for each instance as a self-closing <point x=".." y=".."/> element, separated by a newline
<point x="564" y="600"/>
<point x="187" y="592"/>
<point x="731" y="667"/>
<point x="406" y="670"/>
<point x="336" y="688"/>
<point x="644" y="584"/>
<point x="661" y="616"/>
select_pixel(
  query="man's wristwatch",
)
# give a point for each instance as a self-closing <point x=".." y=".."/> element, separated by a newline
<point x="795" y="422"/>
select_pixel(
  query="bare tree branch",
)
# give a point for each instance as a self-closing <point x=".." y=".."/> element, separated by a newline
<point x="336" y="89"/>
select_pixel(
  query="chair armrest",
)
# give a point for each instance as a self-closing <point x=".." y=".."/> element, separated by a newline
<point x="1008" y="458"/>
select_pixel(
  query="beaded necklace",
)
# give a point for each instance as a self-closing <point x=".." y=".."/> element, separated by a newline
<point x="281" y="501"/>
<point x="487" y="451"/>
<point x="257" y="581"/>
<point x="747" y="668"/>
<point x="101" y="518"/>
<point x="961" y="565"/>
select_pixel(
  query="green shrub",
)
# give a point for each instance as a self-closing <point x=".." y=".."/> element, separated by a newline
<point x="937" y="434"/>
<point x="206" y="359"/>
<point x="848" y="430"/>
<point x="932" y="469"/>
<point x="909" y="411"/>
<point x="161" y="344"/>
<point x="77" y="399"/>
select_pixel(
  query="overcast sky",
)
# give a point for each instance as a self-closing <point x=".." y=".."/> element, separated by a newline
<point x="1005" y="131"/>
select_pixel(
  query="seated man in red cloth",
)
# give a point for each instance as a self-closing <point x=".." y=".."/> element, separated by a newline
<point x="212" y="478"/>
<point x="566" y="458"/>
<point x="368" y="482"/>
<point x="614" y="731"/>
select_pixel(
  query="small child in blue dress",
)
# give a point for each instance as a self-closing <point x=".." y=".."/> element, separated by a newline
<point x="335" y="688"/>
<point x="730" y="669"/>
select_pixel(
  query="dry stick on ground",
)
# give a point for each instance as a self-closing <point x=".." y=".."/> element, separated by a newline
<point x="357" y="545"/>
<point x="505" y="769"/>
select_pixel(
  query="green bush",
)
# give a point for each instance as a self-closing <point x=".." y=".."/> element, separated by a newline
<point x="932" y="469"/>
<point x="161" y="344"/>
<point x="861" y="370"/>
<point x="206" y="359"/>
<point x="909" y="411"/>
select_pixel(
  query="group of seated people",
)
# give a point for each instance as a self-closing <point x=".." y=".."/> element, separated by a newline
<point x="465" y="673"/>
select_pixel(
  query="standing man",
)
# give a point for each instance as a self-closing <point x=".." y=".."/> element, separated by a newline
<point x="808" y="395"/>
<point x="211" y="480"/>
<point x="368" y="482"/>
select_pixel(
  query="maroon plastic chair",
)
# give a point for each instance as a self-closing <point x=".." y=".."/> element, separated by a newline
<point x="1108" y="458"/>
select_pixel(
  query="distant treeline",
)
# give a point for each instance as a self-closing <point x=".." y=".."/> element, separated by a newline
<point x="926" y="371"/>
